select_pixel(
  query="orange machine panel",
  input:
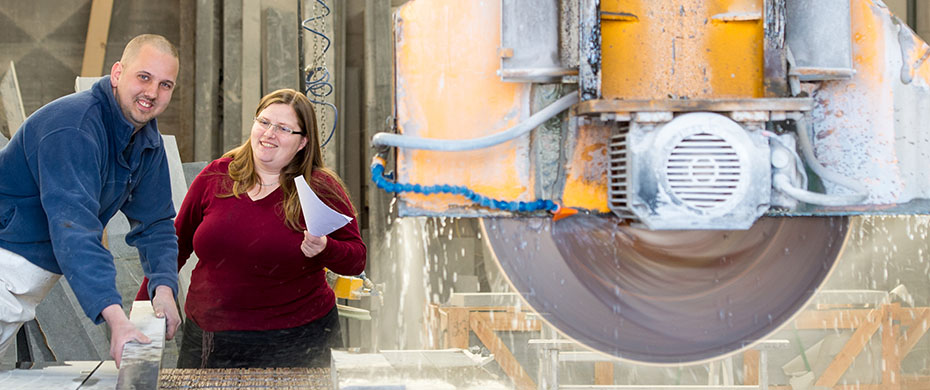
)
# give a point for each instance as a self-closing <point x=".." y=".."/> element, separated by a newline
<point x="697" y="49"/>
<point x="447" y="87"/>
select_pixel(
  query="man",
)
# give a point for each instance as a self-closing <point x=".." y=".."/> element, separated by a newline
<point x="71" y="166"/>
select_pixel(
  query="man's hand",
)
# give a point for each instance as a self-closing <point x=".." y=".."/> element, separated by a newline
<point x="165" y="307"/>
<point x="312" y="245"/>
<point x="122" y="331"/>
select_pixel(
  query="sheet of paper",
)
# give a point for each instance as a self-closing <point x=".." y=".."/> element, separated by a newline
<point x="321" y="220"/>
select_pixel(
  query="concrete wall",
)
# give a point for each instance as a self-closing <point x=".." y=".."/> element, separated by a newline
<point x="45" y="40"/>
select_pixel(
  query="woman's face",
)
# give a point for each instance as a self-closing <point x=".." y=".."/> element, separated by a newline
<point x="274" y="147"/>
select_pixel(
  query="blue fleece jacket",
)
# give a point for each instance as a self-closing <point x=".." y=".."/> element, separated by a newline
<point x="71" y="166"/>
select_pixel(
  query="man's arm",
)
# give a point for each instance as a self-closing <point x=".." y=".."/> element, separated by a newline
<point x="122" y="331"/>
<point x="150" y="211"/>
<point x="66" y="165"/>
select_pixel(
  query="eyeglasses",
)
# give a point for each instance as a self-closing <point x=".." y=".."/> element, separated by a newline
<point x="266" y="124"/>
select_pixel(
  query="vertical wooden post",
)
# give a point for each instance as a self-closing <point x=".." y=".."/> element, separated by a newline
<point x="603" y="373"/>
<point x="457" y="328"/>
<point x="751" y="367"/>
<point x="891" y="360"/>
<point x="95" y="45"/>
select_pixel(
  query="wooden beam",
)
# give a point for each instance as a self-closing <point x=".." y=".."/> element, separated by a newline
<point x="916" y="328"/>
<point x="456" y="327"/>
<point x="502" y="355"/>
<point x="12" y="100"/>
<point x="891" y="359"/>
<point x="844" y="359"/>
<point x="603" y="373"/>
<point x="751" y="367"/>
<point x="488" y="300"/>
<point x="141" y="363"/>
<point x="95" y="45"/>
<point x="506" y="321"/>
<point x="832" y="319"/>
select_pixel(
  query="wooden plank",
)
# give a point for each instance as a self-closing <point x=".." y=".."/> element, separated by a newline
<point x="95" y="46"/>
<point x="280" y="59"/>
<point x="832" y="319"/>
<point x="751" y="367"/>
<point x="844" y="359"/>
<point x="232" y="75"/>
<point x="251" y="63"/>
<point x="506" y="321"/>
<point x="488" y="300"/>
<point x="916" y="382"/>
<point x="12" y="100"/>
<point x="141" y="363"/>
<point x="916" y="328"/>
<point x="456" y="327"/>
<point x="891" y="360"/>
<point x="603" y="373"/>
<point x="502" y="354"/>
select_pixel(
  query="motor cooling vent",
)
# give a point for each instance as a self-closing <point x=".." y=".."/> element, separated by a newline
<point x="703" y="171"/>
<point x="698" y="171"/>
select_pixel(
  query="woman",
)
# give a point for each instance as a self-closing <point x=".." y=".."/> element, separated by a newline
<point x="258" y="295"/>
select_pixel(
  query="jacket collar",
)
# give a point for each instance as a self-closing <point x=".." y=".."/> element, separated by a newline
<point x="119" y="127"/>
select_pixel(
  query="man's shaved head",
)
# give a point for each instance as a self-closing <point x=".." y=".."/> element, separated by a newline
<point x="157" y="41"/>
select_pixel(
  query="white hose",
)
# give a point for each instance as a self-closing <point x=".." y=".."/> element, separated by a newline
<point x="783" y="184"/>
<point x="835" y="200"/>
<point x="446" y="145"/>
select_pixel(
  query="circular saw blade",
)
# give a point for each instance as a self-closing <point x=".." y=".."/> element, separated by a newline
<point x="665" y="297"/>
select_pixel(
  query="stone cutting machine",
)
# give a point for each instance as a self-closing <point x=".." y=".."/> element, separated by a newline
<point x="711" y="151"/>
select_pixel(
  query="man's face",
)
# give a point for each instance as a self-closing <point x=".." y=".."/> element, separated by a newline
<point x="144" y="85"/>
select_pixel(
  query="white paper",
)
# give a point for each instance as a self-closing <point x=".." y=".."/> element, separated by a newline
<point x="321" y="220"/>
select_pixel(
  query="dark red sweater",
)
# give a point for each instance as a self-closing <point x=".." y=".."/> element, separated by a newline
<point x="251" y="274"/>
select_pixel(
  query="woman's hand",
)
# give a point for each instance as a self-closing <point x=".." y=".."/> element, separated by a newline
<point x="312" y="245"/>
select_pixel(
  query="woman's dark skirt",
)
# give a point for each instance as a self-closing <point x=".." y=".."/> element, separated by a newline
<point x="303" y="346"/>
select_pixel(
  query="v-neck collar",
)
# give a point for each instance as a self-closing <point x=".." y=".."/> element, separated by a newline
<point x="262" y="198"/>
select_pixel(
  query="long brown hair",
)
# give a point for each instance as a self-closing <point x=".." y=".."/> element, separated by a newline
<point x="306" y="162"/>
